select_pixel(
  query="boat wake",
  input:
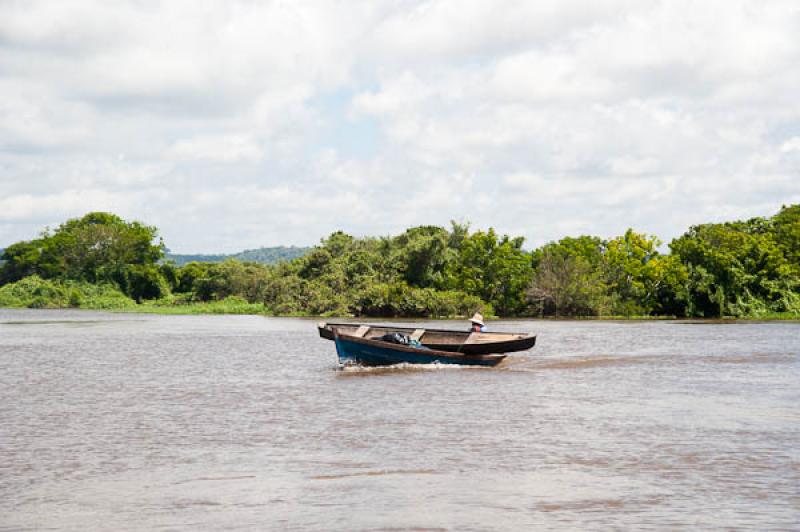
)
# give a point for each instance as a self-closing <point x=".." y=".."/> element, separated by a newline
<point x="581" y="362"/>
<point x="403" y="367"/>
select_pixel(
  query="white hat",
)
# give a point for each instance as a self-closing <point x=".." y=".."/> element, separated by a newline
<point x="477" y="318"/>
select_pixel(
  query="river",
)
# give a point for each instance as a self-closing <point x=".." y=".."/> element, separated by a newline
<point x="143" y="422"/>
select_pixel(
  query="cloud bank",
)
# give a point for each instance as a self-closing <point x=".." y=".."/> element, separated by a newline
<point x="239" y="124"/>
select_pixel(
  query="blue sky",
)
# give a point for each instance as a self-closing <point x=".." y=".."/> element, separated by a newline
<point x="233" y="125"/>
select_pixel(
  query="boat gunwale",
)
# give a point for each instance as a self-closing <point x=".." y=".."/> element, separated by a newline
<point x="326" y="326"/>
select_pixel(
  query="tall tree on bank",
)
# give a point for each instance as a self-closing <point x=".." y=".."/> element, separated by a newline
<point x="98" y="247"/>
<point x="786" y="231"/>
<point x="493" y="268"/>
<point x="566" y="285"/>
<point x="640" y="280"/>
<point x="740" y="268"/>
<point x="567" y="278"/>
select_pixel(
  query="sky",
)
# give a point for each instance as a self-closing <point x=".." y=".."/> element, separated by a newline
<point x="238" y="124"/>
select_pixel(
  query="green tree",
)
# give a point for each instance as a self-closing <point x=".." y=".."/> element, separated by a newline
<point x="20" y="260"/>
<point x="188" y="275"/>
<point x="495" y="269"/>
<point x="566" y="284"/>
<point x="786" y="231"/>
<point x="422" y="254"/>
<point x="95" y="248"/>
<point x="218" y="281"/>
<point x="338" y="243"/>
<point x="567" y="278"/>
<point x="588" y="248"/>
<point x="735" y="269"/>
<point x="627" y="270"/>
<point x="664" y="281"/>
<point x="141" y="281"/>
<point x="458" y="233"/>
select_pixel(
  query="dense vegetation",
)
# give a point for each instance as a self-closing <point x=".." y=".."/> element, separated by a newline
<point x="744" y="268"/>
<point x="261" y="255"/>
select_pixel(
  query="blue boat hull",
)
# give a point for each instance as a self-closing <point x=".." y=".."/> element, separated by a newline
<point x="378" y="353"/>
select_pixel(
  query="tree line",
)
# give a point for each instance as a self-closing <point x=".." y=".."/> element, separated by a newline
<point x="739" y="268"/>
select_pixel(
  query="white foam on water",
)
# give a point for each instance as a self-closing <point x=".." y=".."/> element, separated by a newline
<point x="403" y="367"/>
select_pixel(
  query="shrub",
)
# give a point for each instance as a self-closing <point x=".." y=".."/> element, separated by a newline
<point x="35" y="292"/>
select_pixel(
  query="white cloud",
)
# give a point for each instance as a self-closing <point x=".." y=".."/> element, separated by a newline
<point x="55" y="208"/>
<point x="791" y="145"/>
<point x="228" y="124"/>
<point x="223" y="148"/>
<point x="34" y="117"/>
<point x="626" y="165"/>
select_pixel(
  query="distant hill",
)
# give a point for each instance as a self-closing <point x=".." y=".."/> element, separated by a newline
<point x="262" y="255"/>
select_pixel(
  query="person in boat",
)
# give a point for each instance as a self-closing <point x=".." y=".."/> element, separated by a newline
<point x="476" y="323"/>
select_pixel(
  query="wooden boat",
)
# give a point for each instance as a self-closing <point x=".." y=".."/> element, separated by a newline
<point x="464" y="342"/>
<point x="374" y="352"/>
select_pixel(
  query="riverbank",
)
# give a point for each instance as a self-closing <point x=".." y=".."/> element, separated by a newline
<point x="236" y="306"/>
<point x="254" y="309"/>
<point x="37" y="293"/>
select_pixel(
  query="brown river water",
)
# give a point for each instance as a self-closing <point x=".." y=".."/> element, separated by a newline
<point x="140" y="422"/>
